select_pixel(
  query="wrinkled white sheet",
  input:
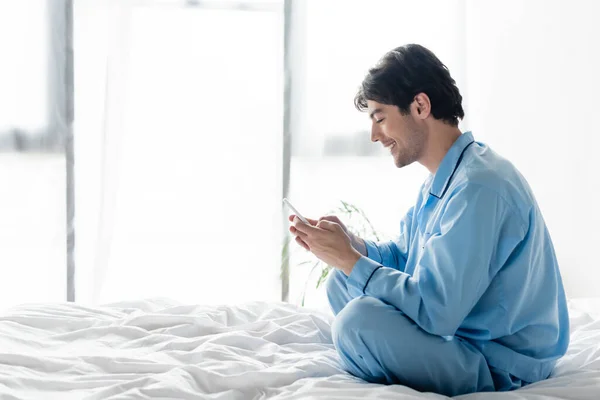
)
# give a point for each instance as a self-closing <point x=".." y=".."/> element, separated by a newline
<point x="164" y="350"/>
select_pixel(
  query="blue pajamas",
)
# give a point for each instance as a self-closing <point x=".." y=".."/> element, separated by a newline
<point x="468" y="298"/>
<point x="380" y="344"/>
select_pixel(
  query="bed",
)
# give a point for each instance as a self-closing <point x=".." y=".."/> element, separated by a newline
<point x="161" y="349"/>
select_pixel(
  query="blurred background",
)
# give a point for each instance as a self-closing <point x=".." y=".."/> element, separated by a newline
<point x="145" y="145"/>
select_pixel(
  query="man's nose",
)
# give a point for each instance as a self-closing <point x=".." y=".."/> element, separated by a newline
<point x="375" y="134"/>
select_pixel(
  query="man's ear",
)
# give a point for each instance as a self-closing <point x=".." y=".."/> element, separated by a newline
<point x="421" y="106"/>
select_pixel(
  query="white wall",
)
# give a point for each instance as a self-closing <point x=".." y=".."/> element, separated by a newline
<point x="533" y="90"/>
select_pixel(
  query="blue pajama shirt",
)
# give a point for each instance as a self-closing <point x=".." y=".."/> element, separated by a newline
<point x="468" y="298"/>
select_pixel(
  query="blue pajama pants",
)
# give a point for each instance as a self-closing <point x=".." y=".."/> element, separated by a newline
<point x="380" y="344"/>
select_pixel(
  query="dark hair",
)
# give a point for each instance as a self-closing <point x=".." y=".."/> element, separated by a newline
<point x="407" y="71"/>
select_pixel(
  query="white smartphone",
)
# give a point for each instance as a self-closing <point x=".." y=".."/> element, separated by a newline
<point x="287" y="202"/>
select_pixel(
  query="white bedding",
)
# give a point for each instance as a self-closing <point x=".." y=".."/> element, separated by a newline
<point x="161" y="349"/>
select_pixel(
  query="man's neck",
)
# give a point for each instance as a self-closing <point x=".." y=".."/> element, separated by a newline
<point x="440" y="138"/>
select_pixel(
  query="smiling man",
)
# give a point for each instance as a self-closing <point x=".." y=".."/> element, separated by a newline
<point x="469" y="297"/>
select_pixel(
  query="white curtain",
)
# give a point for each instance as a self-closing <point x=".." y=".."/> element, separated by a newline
<point x="178" y="151"/>
<point x="179" y="127"/>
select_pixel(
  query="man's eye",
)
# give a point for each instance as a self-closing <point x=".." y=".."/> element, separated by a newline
<point x="379" y="120"/>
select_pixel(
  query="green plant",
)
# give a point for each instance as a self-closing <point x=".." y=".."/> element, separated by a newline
<point x="355" y="220"/>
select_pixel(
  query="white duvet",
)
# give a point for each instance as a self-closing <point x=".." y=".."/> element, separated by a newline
<point x="163" y="350"/>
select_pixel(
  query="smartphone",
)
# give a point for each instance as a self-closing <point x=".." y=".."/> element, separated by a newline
<point x="287" y="202"/>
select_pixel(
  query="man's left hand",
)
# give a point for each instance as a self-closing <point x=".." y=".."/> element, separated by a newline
<point x="329" y="243"/>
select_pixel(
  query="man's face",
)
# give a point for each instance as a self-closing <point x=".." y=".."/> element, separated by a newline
<point x="401" y="134"/>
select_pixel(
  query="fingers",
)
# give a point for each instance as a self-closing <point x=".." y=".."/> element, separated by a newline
<point x="296" y="232"/>
<point x="304" y="228"/>
<point x="328" y="225"/>
<point x="313" y="222"/>
<point x="331" y="218"/>
<point x="302" y="243"/>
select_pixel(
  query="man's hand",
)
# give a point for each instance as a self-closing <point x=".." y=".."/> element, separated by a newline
<point x="328" y="242"/>
<point x="356" y="241"/>
<point x="299" y="240"/>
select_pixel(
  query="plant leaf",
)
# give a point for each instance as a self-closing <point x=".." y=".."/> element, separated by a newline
<point x="324" y="274"/>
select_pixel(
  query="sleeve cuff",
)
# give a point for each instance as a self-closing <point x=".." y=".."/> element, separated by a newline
<point x="373" y="251"/>
<point x="359" y="278"/>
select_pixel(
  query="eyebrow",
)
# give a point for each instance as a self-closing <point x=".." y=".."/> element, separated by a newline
<point x="375" y="111"/>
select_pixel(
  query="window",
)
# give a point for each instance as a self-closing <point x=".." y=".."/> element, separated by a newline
<point x="190" y="142"/>
<point x="32" y="76"/>
<point x="34" y="121"/>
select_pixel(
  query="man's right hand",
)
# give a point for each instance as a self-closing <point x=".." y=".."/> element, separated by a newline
<point x="357" y="242"/>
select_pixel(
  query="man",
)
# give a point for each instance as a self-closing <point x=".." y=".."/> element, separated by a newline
<point x="469" y="297"/>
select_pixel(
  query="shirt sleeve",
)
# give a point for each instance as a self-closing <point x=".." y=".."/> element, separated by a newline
<point x="392" y="253"/>
<point x="478" y="232"/>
